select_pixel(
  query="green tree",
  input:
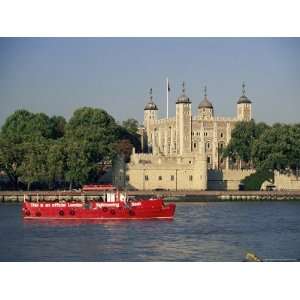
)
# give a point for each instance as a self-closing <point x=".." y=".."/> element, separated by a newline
<point x="20" y="137"/>
<point x="134" y="139"/>
<point x="278" y="148"/>
<point x="34" y="167"/>
<point x="55" y="162"/>
<point x="37" y="149"/>
<point x="131" y="125"/>
<point x="58" y="124"/>
<point x="11" y="157"/>
<point x="90" y="138"/>
<point x="242" y="139"/>
<point x="24" y="126"/>
<point x="79" y="163"/>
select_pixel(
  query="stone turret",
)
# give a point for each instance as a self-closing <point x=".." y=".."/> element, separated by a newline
<point x="244" y="106"/>
<point x="200" y="169"/>
<point x="150" y="116"/>
<point x="150" y="110"/>
<point x="183" y="123"/>
<point x="205" y="108"/>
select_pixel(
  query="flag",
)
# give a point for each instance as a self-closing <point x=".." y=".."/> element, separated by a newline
<point x="169" y="87"/>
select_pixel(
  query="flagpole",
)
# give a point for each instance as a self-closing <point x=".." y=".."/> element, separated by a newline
<point x="167" y="98"/>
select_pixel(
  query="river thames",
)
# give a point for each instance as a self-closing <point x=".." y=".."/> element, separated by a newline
<point x="210" y="231"/>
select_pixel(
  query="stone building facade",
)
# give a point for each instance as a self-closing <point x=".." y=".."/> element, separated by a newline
<point x="179" y="151"/>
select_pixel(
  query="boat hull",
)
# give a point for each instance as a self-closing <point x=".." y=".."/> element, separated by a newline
<point x="77" y="210"/>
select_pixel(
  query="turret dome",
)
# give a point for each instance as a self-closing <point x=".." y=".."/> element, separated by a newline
<point x="183" y="98"/>
<point x="244" y="98"/>
<point x="205" y="103"/>
<point x="150" y="105"/>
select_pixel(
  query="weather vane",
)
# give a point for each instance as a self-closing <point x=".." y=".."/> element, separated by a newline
<point x="183" y="87"/>
<point x="244" y="90"/>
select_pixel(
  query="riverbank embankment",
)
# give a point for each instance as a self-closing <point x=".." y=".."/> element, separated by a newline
<point x="174" y="196"/>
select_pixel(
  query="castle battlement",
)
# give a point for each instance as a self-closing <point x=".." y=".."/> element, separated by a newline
<point x="226" y="119"/>
<point x="164" y="121"/>
<point x="216" y="119"/>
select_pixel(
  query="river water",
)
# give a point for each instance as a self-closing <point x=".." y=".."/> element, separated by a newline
<point x="214" y="231"/>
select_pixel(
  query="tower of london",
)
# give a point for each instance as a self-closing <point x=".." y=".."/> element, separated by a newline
<point x="184" y="152"/>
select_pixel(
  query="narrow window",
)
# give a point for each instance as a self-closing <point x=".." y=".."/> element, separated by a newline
<point x="146" y="177"/>
<point x="159" y="178"/>
<point x="172" y="177"/>
<point x="208" y="159"/>
<point x="195" y="145"/>
<point x="127" y="177"/>
<point x="191" y="178"/>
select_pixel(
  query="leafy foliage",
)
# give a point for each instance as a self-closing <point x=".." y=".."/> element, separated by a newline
<point x="11" y="157"/>
<point x="278" y="148"/>
<point x="267" y="148"/>
<point x="34" y="166"/>
<point x="242" y="138"/>
<point x="36" y="149"/>
<point x="131" y="125"/>
<point x="24" y="126"/>
<point x="254" y="181"/>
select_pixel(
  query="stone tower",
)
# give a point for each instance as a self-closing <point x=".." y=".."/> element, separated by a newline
<point x="150" y="116"/>
<point x="200" y="169"/>
<point x="183" y="124"/>
<point x="244" y="106"/>
<point x="205" y="108"/>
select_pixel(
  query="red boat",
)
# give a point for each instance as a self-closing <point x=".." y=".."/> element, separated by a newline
<point x="110" y="205"/>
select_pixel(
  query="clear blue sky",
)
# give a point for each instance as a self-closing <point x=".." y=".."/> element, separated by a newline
<point x="58" y="75"/>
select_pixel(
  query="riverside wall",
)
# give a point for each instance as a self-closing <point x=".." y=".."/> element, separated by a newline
<point x="286" y="181"/>
<point x="175" y="196"/>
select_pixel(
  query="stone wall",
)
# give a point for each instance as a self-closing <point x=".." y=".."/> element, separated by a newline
<point x="150" y="172"/>
<point x="226" y="179"/>
<point x="286" y="181"/>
